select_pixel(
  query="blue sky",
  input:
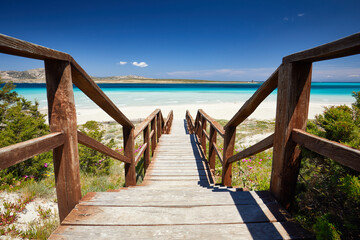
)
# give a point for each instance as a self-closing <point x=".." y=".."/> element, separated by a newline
<point x="211" y="40"/>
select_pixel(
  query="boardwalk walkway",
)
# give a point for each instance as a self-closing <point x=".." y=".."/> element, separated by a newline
<point x="178" y="201"/>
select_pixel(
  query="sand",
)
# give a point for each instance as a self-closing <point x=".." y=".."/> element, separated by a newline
<point x="266" y="111"/>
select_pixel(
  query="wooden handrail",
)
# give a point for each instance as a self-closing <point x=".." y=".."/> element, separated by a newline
<point x="254" y="149"/>
<point x="92" y="143"/>
<point x="19" y="152"/>
<point x="254" y="101"/>
<point x="190" y="121"/>
<point x="218" y="153"/>
<point x="84" y="82"/>
<point x="340" y="48"/>
<point x="140" y="153"/>
<point x="145" y="122"/>
<point x="17" y="47"/>
<point x="205" y="134"/>
<point x="168" y="123"/>
<point x="341" y="153"/>
<point x="213" y="122"/>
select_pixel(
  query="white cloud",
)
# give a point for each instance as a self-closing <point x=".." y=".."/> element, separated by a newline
<point x="140" y="64"/>
<point x="300" y="14"/>
<point x="122" y="63"/>
<point x="335" y="73"/>
<point x="286" y="19"/>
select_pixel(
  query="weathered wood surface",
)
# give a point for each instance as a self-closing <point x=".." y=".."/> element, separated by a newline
<point x="291" y="112"/>
<point x="145" y="122"/>
<point x="340" y="48"/>
<point x="178" y="200"/>
<point x="256" y="99"/>
<point x="213" y="122"/>
<point x="13" y="46"/>
<point x="92" y="143"/>
<point x="62" y="118"/>
<point x="84" y="82"/>
<point x="20" y="152"/>
<point x="341" y="153"/>
<point x="254" y="149"/>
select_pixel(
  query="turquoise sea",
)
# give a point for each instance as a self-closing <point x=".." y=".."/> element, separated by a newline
<point x="174" y="94"/>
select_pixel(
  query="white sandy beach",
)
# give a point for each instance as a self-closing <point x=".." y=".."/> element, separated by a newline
<point x="266" y="111"/>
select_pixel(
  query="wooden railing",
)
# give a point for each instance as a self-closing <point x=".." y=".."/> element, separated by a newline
<point x="62" y="71"/>
<point x="293" y="81"/>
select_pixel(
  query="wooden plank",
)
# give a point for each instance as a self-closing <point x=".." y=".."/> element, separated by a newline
<point x="92" y="143"/>
<point x="256" y="148"/>
<point x="340" y="48"/>
<point x="229" y="142"/>
<point x="168" y="123"/>
<point x="17" y="47"/>
<point x="129" y="149"/>
<point x="19" y="152"/>
<point x="147" y="149"/>
<point x="206" y="135"/>
<point x="62" y="118"/>
<point x="153" y="136"/>
<point x="341" y="153"/>
<point x="130" y="216"/>
<point x="140" y="153"/>
<point x="255" y="100"/>
<point x="213" y="123"/>
<point x="173" y="198"/>
<point x="264" y="231"/>
<point x="291" y="112"/>
<point x="145" y="122"/>
<point x="84" y="82"/>
<point x="203" y="134"/>
<point x="190" y="121"/>
<point x="212" y="147"/>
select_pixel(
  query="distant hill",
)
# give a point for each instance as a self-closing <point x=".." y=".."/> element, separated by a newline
<point x="38" y="76"/>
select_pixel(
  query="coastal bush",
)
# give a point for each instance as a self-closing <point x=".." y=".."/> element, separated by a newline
<point x="20" y="120"/>
<point x="328" y="193"/>
<point x="92" y="161"/>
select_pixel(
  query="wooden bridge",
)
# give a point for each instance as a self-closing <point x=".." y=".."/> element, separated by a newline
<point x="178" y="198"/>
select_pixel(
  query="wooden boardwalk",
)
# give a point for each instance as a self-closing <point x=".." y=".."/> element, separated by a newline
<point x="178" y="200"/>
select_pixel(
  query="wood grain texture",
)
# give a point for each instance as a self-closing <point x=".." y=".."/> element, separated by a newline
<point x="213" y="122"/>
<point x="203" y="136"/>
<point x="139" y="128"/>
<point x="92" y="143"/>
<point x="17" y="47"/>
<point x="62" y="118"/>
<point x="129" y="151"/>
<point x="254" y="149"/>
<point x="218" y="153"/>
<point x="341" y="153"/>
<point x="229" y="143"/>
<point x="212" y="147"/>
<point x="153" y="135"/>
<point x="168" y="123"/>
<point x="291" y="112"/>
<point x="255" y="100"/>
<point x="19" y="152"/>
<point x="190" y="122"/>
<point x="140" y="153"/>
<point x="84" y="82"/>
<point x="147" y="137"/>
<point x="340" y="48"/>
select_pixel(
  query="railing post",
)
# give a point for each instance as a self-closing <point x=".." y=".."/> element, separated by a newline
<point x="212" y="142"/>
<point x="291" y="112"/>
<point x="158" y="123"/>
<point x="130" y="172"/>
<point x="203" y="136"/>
<point x="229" y="142"/>
<point x="62" y="118"/>
<point x="153" y="137"/>
<point x="147" y="150"/>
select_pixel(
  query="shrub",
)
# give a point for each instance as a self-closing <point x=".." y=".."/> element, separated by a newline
<point x="20" y="120"/>
<point x="325" y="230"/>
<point x="91" y="161"/>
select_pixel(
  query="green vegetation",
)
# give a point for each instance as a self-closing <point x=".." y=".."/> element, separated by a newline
<point x="328" y="193"/>
<point x="20" y="120"/>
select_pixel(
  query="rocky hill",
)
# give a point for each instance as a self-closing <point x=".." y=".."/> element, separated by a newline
<point x="38" y="75"/>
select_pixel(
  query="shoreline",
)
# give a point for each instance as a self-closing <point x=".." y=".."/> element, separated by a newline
<point x="225" y="111"/>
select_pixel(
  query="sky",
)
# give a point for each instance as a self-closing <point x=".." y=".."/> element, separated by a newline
<point x="226" y="40"/>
